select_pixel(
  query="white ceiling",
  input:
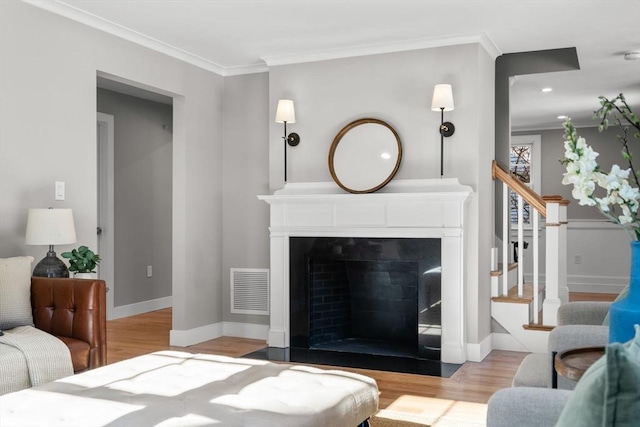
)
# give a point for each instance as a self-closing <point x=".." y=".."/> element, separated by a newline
<point x="240" y="36"/>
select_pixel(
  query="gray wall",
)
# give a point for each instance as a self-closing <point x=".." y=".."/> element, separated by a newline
<point x="515" y="64"/>
<point x="48" y="67"/>
<point x="588" y="231"/>
<point x="47" y="115"/>
<point x="397" y="88"/>
<point x="552" y="150"/>
<point x="143" y="196"/>
<point x="246" y="175"/>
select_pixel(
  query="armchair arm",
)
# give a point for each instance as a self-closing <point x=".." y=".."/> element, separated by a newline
<point x="74" y="308"/>
<point x="526" y="406"/>
<point x="583" y="313"/>
<point x="573" y="336"/>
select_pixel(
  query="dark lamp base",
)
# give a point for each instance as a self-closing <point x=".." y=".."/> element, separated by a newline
<point x="51" y="266"/>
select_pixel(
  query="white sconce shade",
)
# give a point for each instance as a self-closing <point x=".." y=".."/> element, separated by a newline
<point x="442" y="98"/>
<point x="50" y="227"/>
<point x="285" y="112"/>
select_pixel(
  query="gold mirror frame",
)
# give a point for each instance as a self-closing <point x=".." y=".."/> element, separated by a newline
<point x="339" y="138"/>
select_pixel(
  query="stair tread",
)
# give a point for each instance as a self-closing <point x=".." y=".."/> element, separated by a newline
<point x="536" y="327"/>
<point x="526" y="298"/>
<point x="516" y="299"/>
<point x="539" y="326"/>
<point x="498" y="272"/>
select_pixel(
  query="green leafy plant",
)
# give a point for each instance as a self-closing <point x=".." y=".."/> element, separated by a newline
<point x="82" y="260"/>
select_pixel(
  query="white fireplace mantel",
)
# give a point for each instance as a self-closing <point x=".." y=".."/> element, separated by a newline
<point x="433" y="208"/>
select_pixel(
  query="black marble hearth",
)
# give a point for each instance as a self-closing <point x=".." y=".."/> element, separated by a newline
<point x="366" y="296"/>
<point x="407" y="365"/>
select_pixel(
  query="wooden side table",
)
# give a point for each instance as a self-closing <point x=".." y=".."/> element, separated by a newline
<point x="573" y="363"/>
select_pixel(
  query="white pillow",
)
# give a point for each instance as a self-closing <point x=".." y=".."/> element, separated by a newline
<point x="15" y="292"/>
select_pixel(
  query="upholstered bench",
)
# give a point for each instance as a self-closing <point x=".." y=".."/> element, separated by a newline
<point x="176" y="389"/>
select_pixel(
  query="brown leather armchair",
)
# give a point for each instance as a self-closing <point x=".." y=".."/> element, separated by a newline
<point x="74" y="310"/>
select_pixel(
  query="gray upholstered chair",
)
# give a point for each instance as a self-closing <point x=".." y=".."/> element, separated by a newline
<point x="531" y="401"/>
<point x="606" y="395"/>
<point x="580" y="325"/>
<point x="526" y="406"/>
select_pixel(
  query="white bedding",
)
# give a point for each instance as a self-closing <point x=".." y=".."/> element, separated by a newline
<point x="181" y="389"/>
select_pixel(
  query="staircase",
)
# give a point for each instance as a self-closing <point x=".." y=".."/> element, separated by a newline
<point x="528" y="311"/>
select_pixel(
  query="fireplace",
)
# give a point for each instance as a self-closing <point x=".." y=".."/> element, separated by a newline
<point x="366" y="295"/>
<point x="407" y="212"/>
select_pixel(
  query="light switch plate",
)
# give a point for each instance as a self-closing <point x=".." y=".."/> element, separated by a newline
<point x="59" y="190"/>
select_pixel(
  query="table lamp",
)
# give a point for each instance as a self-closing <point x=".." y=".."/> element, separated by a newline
<point x="50" y="227"/>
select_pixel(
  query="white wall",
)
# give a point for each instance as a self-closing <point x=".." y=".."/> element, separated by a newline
<point x="48" y="67"/>
<point x="397" y="88"/>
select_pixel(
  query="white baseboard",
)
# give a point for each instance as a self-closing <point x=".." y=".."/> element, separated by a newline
<point x="477" y="352"/>
<point x="245" y="330"/>
<point x="195" y="335"/>
<point x="597" y="284"/>
<point x="141" y="307"/>
<point x="506" y="342"/>
<point x="217" y="330"/>
<point x="591" y="284"/>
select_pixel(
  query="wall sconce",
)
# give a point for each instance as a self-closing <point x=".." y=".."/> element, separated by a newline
<point x="443" y="101"/>
<point x="285" y="113"/>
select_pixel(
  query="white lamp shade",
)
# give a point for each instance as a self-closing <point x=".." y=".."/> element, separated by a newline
<point x="285" y="111"/>
<point x="50" y="227"/>
<point x="442" y="98"/>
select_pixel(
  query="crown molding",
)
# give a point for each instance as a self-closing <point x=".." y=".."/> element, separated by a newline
<point x="490" y="46"/>
<point x="554" y="127"/>
<point x="61" y="8"/>
<point x="245" y="69"/>
<point x="91" y="20"/>
<point x="401" y="46"/>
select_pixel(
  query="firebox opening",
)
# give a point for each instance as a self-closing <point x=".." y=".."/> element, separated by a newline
<point x="376" y="296"/>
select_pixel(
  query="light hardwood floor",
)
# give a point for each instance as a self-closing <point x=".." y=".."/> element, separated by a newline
<point x="473" y="382"/>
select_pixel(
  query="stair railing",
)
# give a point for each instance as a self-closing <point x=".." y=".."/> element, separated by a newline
<point x="554" y="209"/>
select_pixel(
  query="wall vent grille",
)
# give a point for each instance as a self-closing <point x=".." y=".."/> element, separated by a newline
<point x="250" y="291"/>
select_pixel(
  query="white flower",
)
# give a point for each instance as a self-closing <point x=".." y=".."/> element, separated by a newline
<point x="569" y="153"/>
<point x="603" y="203"/>
<point x="621" y="201"/>
<point x="614" y="179"/>
<point x="629" y="193"/>
<point x="583" y="190"/>
<point x="626" y="217"/>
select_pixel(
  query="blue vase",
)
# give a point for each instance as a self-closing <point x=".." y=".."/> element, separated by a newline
<point x="625" y="313"/>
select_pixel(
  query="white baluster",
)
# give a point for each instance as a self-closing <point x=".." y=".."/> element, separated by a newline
<point x="520" y="246"/>
<point x="536" y="264"/>
<point x="506" y="222"/>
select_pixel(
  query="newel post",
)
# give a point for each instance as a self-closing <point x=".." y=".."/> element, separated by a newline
<point x="556" y="258"/>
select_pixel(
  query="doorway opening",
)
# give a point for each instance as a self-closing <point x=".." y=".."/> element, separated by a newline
<point x="135" y="148"/>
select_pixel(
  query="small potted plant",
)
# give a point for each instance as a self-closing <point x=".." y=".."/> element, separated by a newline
<point x="82" y="262"/>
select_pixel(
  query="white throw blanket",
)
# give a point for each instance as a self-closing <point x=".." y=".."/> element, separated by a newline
<point x="46" y="358"/>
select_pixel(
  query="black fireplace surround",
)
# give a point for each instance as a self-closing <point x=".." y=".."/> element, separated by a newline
<point x="374" y="296"/>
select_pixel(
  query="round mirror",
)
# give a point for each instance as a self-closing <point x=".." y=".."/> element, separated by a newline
<point x="365" y="155"/>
